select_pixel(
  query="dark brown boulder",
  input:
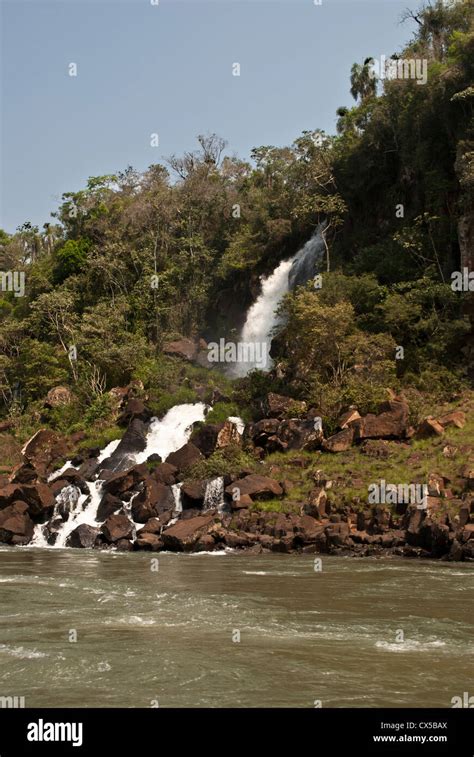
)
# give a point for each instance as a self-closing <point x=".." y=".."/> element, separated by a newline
<point x="24" y="473"/>
<point x="316" y="507"/>
<point x="182" y="348"/>
<point x="72" y="476"/>
<point x="16" y="525"/>
<point x="83" y="537"/>
<point x="9" y="493"/>
<point x="429" y="427"/>
<point x="154" y="525"/>
<point x="257" y="487"/>
<point x="117" y="527"/>
<point x="132" y="442"/>
<point x="390" y="424"/>
<point x="149" y="541"/>
<point x="165" y="474"/>
<point x="281" y="407"/>
<point x="184" y="457"/>
<point x="43" y="449"/>
<point x="205" y="438"/>
<point x="124" y="545"/>
<point x="38" y="497"/>
<point x="300" y="434"/>
<point x="108" y="505"/>
<point x="184" y="534"/>
<point x="153" y="499"/>
<point x="120" y="483"/>
<point x="135" y="408"/>
<point x="339" y="442"/>
<point x="192" y="492"/>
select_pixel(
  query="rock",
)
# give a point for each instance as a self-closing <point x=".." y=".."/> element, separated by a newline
<point x="280" y="406"/>
<point x="257" y="487"/>
<point x="184" y="534"/>
<point x="88" y="468"/>
<point x="83" y="537"/>
<point x="456" y="552"/>
<point x="134" y="408"/>
<point x="165" y="474"/>
<point x="339" y="442"/>
<point x="205" y="438"/>
<point x="184" y="457"/>
<point x="72" y="477"/>
<point x="435" y="485"/>
<point x="205" y="543"/>
<point x="229" y="434"/>
<point x="464" y="515"/>
<point x="239" y="539"/>
<point x="124" y="545"/>
<point x="242" y="502"/>
<point x="16" y="525"/>
<point x="152" y="526"/>
<point x="153" y="499"/>
<point x="38" y="497"/>
<point x="317" y="504"/>
<point x="58" y="396"/>
<point x="120" y="483"/>
<point x="429" y="427"/>
<point x="183" y="348"/>
<point x="347" y="418"/>
<point x="108" y="505"/>
<point x="380" y="520"/>
<point x="455" y="418"/>
<point x="377" y="448"/>
<point x="133" y="441"/>
<point x="149" y="541"/>
<point x="467" y="474"/>
<point x="43" y="449"/>
<point x="192" y="493"/>
<point x="300" y="435"/>
<point x="24" y="473"/>
<point x="390" y="424"/>
<point x="117" y="527"/>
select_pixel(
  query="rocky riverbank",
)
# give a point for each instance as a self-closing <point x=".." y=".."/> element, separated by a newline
<point x="282" y="486"/>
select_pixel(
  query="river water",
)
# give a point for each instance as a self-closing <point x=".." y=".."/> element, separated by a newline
<point x="359" y="632"/>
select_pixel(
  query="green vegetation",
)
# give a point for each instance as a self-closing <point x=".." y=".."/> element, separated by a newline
<point x="135" y="259"/>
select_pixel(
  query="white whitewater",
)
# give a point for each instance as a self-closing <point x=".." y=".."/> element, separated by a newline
<point x="214" y="495"/>
<point x="171" y="432"/>
<point x="164" y="436"/>
<point x="262" y="318"/>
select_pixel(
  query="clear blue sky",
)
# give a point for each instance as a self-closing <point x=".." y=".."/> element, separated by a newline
<point x="168" y="69"/>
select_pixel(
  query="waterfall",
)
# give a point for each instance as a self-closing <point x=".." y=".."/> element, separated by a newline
<point x="73" y="508"/>
<point x="261" y="317"/>
<point x="214" y="495"/>
<point x="171" y="432"/>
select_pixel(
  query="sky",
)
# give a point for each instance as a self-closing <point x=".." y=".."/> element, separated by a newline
<point x="167" y="69"/>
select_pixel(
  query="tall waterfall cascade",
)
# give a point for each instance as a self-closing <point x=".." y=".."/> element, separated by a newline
<point x="262" y="318"/>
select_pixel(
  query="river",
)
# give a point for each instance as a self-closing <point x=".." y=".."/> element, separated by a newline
<point x="167" y="633"/>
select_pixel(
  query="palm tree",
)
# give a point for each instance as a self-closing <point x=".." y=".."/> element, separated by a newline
<point x="363" y="82"/>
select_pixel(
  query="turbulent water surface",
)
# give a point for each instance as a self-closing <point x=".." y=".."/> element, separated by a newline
<point x="170" y="636"/>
